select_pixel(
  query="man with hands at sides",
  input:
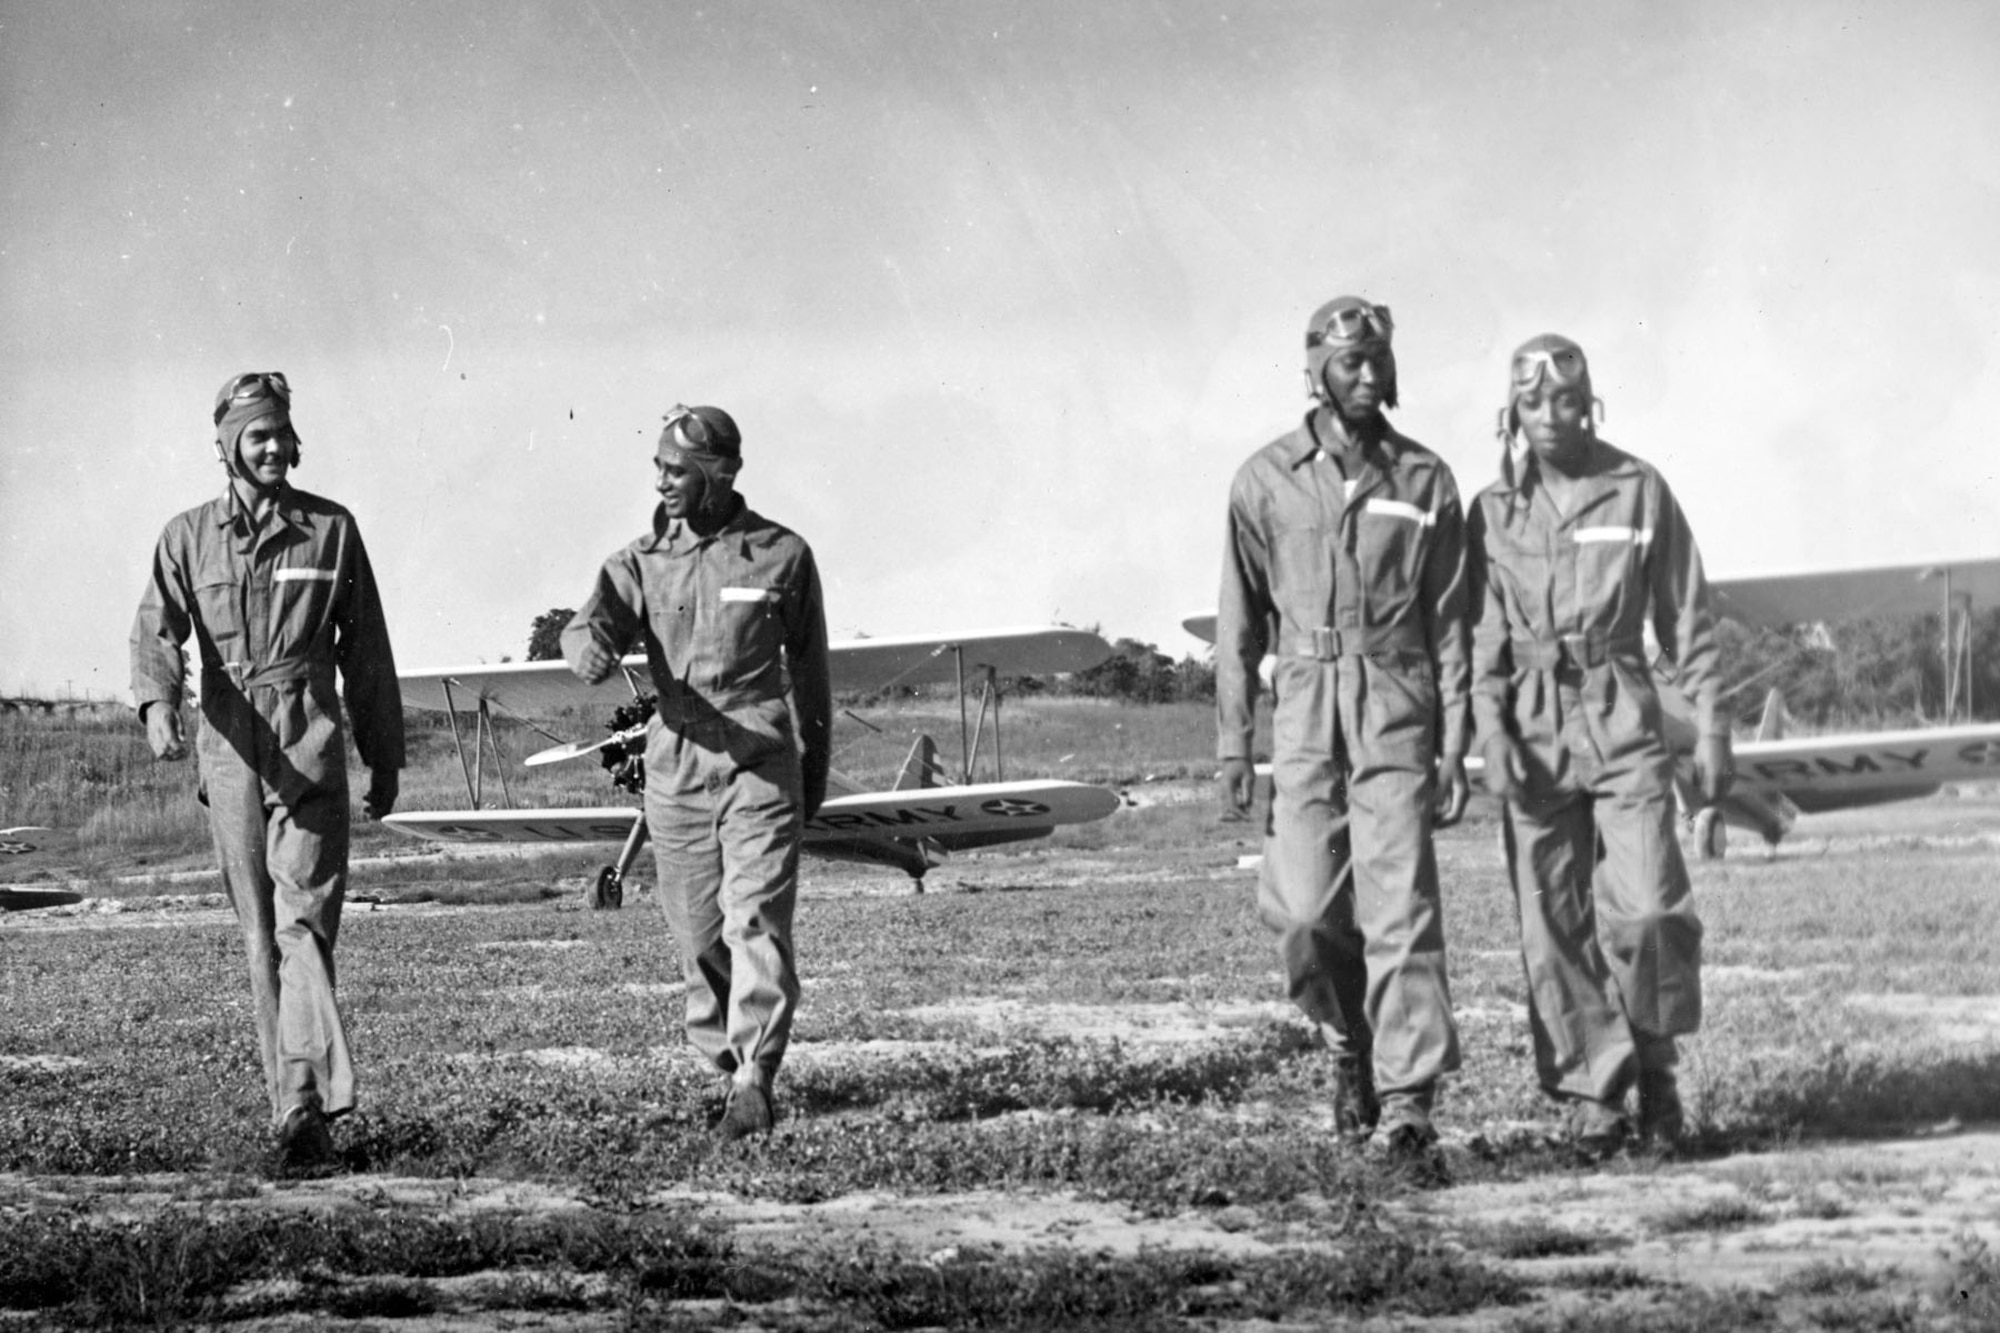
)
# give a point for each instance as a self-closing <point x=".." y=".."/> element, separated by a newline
<point x="1577" y="549"/>
<point x="1345" y="561"/>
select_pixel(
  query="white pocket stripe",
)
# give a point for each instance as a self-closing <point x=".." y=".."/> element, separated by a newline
<point x="749" y="595"/>
<point x="301" y="576"/>
<point x="1617" y="533"/>
<point x="1398" y="509"/>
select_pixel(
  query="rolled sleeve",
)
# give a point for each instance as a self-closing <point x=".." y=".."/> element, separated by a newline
<point x="611" y="616"/>
<point x="162" y="625"/>
<point x="1446" y="601"/>
<point x="1492" y="634"/>
<point x="1682" y="616"/>
<point x="368" y="664"/>
<point x="1242" y="629"/>
<point x="811" y="675"/>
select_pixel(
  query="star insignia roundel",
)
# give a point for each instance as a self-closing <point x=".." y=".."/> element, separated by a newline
<point x="1012" y="808"/>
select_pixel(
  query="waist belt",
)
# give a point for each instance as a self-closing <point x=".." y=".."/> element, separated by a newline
<point x="1581" y="651"/>
<point x="1327" y="644"/>
<point x="695" y="707"/>
<point x="250" y="676"/>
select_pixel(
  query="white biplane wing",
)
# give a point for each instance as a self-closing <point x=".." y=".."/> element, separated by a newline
<point x="27" y="840"/>
<point x="1777" y="600"/>
<point x="945" y="816"/>
<point x="909" y="827"/>
<point x="540" y="688"/>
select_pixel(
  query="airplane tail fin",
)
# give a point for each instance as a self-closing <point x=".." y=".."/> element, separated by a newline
<point x="921" y="768"/>
<point x="1772" y="725"/>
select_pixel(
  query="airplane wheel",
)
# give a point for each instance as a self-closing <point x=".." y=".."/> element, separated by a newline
<point x="608" y="893"/>
<point x="1711" y="835"/>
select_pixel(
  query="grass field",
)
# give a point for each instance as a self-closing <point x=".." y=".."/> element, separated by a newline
<point x="1056" y="1091"/>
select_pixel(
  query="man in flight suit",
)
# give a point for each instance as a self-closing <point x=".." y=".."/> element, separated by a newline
<point x="275" y="586"/>
<point x="1345" y="559"/>
<point x="727" y="605"/>
<point x="1576" y="549"/>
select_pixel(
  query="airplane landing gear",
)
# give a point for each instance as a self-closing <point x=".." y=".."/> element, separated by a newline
<point x="608" y="892"/>
<point x="1711" y="835"/>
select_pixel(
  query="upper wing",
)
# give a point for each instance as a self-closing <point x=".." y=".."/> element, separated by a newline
<point x="1778" y="600"/>
<point x="1881" y="761"/>
<point x="856" y="664"/>
<point x="1854" y="594"/>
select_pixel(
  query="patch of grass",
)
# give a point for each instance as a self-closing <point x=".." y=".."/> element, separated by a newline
<point x="172" y="1268"/>
<point x="1375" y="1273"/>
<point x="1710" y="1215"/>
<point x="1831" y="1279"/>
<point x="1534" y="1238"/>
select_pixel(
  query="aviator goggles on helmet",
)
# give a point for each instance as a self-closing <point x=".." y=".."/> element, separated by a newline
<point x="1352" y="322"/>
<point x="250" y="387"/>
<point x="1564" y="366"/>
<point x="706" y="431"/>
<point x="693" y="429"/>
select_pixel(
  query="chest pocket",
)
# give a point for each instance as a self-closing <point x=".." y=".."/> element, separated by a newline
<point x="220" y="603"/>
<point x="752" y="628"/>
<point x="1610" y="567"/>
<point x="299" y="600"/>
<point x="1390" y="539"/>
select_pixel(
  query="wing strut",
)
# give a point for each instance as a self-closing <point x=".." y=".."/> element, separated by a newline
<point x="485" y="737"/>
<point x="989" y="692"/>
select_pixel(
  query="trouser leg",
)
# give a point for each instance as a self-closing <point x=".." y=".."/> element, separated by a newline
<point x="1305" y="896"/>
<point x="687" y="856"/>
<point x="760" y="860"/>
<point x="307" y="859"/>
<point x="1408" y="1003"/>
<point x="285" y="874"/>
<point x="1646" y="922"/>
<point x="237" y="819"/>
<point x="1583" y="1044"/>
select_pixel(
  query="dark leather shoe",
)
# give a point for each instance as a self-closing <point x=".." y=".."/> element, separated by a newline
<point x="748" y="1113"/>
<point x="305" y="1144"/>
<point x="1356" y="1109"/>
<point x="1599" y="1130"/>
<point x="1661" y="1119"/>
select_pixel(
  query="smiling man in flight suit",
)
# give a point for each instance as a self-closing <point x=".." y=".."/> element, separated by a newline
<point x="1576" y="550"/>
<point x="1345" y="559"/>
<point x="275" y="586"/>
<point x="728" y="607"/>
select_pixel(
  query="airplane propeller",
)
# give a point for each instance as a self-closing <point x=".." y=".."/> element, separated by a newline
<point x="555" y="754"/>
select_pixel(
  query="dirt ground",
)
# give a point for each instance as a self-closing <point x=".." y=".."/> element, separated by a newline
<point x="1902" y="1209"/>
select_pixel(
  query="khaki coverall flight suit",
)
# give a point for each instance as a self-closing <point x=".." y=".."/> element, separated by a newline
<point x="1358" y="587"/>
<point x="1609" y="935"/>
<point x="730" y="623"/>
<point x="275" y="612"/>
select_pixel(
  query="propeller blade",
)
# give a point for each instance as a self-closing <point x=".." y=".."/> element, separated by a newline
<point x="555" y="754"/>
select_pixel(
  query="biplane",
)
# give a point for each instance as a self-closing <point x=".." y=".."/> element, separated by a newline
<point x="1779" y="777"/>
<point x="928" y="813"/>
<point x="23" y="841"/>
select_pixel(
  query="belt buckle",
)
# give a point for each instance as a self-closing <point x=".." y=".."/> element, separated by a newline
<point x="1326" y="643"/>
<point x="1583" y="651"/>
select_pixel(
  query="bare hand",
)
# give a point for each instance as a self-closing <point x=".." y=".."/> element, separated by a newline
<point x="1452" y="791"/>
<point x="383" y="786"/>
<point x="1238" y="784"/>
<point x="594" y="662"/>
<point x="163" y="731"/>
<point x="1504" y="773"/>
<point x="1714" y="766"/>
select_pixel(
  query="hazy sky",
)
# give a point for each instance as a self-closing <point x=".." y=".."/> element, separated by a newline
<point x="1001" y="294"/>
